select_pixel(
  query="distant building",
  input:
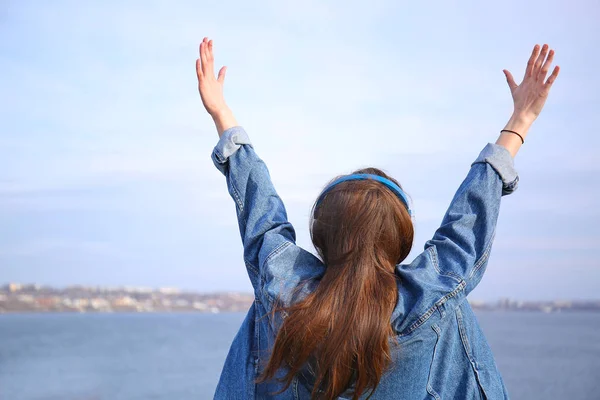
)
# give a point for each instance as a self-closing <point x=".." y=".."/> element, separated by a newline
<point x="124" y="301"/>
<point x="168" y="290"/>
<point x="25" y="298"/>
<point x="14" y="287"/>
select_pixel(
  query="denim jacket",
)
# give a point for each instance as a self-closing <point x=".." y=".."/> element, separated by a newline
<point x="443" y="353"/>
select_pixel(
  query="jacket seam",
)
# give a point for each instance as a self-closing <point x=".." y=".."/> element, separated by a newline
<point x="463" y="337"/>
<point x="237" y="197"/>
<point x="251" y="267"/>
<point x="256" y="343"/>
<point x="257" y="333"/>
<point x="452" y="294"/>
<point x="423" y="318"/>
<point x="219" y="156"/>
<point x="278" y="250"/>
<point x="435" y="261"/>
<point x="478" y="264"/>
<point x="295" y="388"/>
<point x="467" y="348"/>
<point x="484" y="257"/>
<point x="430" y="389"/>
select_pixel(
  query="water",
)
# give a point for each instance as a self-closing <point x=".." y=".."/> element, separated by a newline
<point x="179" y="356"/>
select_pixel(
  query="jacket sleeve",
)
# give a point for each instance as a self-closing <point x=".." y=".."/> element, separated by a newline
<point x="261" y="215"/>
<point x="463" y="242"/>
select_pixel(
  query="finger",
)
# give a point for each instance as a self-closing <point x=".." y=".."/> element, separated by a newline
<point x="546" y="66"/>
<point x="552" y="77"/>
<point x="222" y="72"/>
<point x="531" y="61"/>
<point x="199" y="69"/>
<point x="210" y="59"/>
<point x="199" y="62"/>
<point x="538" y="63"/>
<point x="511" y="81"/>
<point x="204" y="57"/>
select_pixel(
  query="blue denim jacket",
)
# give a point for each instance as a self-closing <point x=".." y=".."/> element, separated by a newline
<point x="443" y="353"/>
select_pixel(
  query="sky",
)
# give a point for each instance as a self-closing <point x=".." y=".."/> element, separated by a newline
<point x="105" y="169"/>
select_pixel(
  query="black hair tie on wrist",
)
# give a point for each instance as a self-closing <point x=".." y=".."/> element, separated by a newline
<point x="508" y="130"/>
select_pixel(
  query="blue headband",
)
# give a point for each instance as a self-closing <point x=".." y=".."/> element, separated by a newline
<point x="359" y="177"/>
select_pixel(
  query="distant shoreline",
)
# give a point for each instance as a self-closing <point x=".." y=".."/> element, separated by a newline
<point x="190" y="312"/>
<point x="32" y="298"/>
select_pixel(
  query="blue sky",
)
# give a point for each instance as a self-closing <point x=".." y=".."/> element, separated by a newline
<point x="105" y="170"/>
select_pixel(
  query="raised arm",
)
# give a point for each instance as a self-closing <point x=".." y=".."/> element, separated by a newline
<point x="463" y="242"/>
<point x="262" y="218"/>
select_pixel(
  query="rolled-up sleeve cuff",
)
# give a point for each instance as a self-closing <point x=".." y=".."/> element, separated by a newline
<point x="503" y="163"/>
<point x="231" y="140"/>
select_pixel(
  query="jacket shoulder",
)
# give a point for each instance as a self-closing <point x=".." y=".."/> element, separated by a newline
<point x="289" y="274"/>
<point x="423" y="293"/>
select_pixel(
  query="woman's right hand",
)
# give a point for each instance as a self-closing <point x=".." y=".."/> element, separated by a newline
<point x="529" y="97"/>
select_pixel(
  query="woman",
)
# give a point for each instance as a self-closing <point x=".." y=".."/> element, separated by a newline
<point x="355" y="323"/>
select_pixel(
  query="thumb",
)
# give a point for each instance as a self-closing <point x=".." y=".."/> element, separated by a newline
<point x="221" y="77"/>
<point x="509" y="78"/>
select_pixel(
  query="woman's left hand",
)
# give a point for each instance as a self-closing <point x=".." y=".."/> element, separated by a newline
<point x="211" y="88"/>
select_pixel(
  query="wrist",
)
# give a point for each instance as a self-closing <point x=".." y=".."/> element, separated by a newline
<point x="520" y="123"/>
<point x="220" y="112"/>
<point x="223" y="119"/>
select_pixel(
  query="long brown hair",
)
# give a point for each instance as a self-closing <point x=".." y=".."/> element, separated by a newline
<point x="361" y="230"/>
